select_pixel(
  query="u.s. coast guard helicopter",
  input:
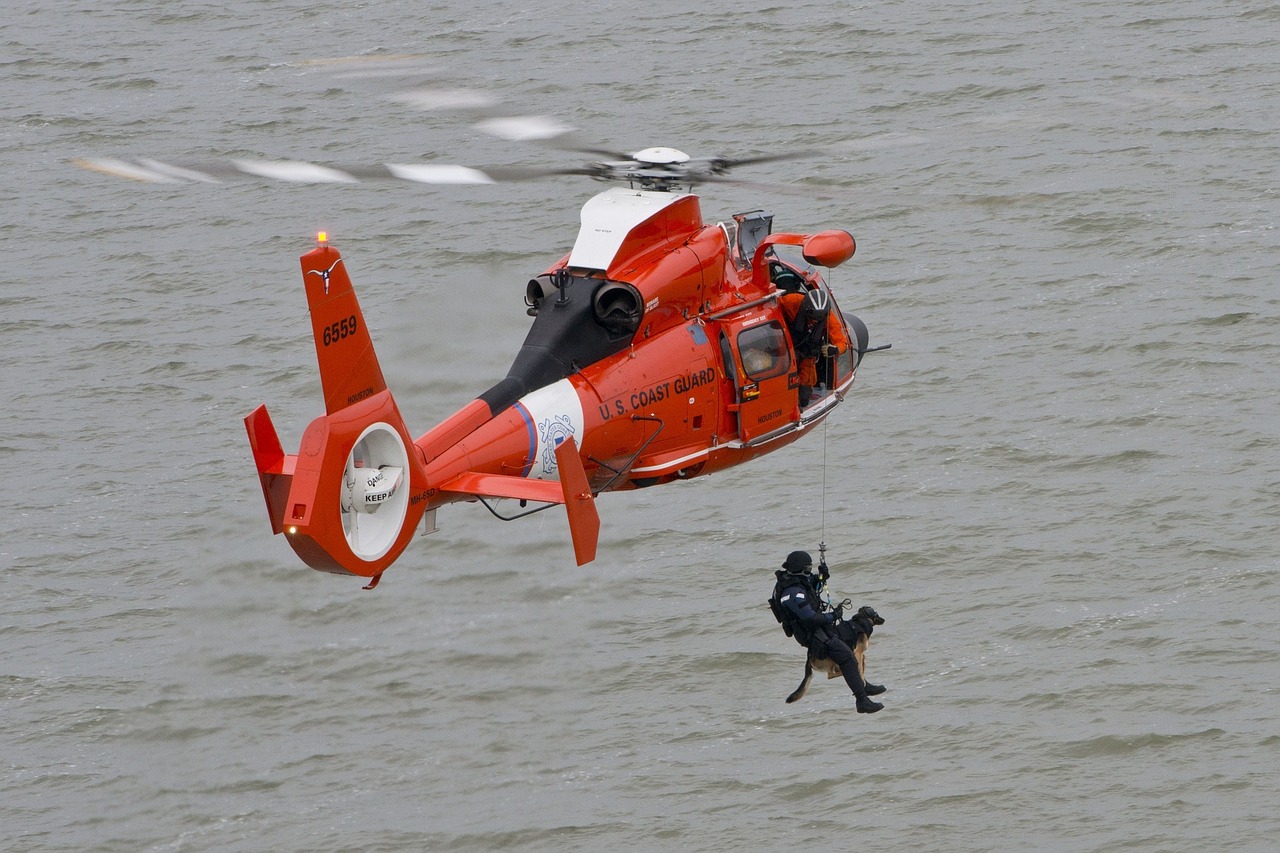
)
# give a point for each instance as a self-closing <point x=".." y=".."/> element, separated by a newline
<point x="662" y="348"/>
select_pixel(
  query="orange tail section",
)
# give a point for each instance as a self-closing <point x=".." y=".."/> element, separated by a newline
<point x="350" y="499"/>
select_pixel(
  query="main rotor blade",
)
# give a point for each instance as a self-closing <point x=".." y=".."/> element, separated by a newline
<point x="430" y="100"/>
<point x="768" y="187"/>
<point x="723" y="164"/>
<point x="301" y="172"/>
<point x="523" y="128"/>
<point x="444" y="174"/>
<point x="603" y="153"/>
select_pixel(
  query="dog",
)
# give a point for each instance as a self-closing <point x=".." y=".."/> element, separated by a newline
<point x="856" y="632"/>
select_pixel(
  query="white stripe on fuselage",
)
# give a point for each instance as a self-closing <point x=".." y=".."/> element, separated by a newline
<point x="556" y="412"/>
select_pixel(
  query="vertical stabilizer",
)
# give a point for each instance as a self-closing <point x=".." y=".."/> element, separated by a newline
<point x="275" y="469"/>
<point x="579" y="503"/>
<point x="349" y="370"/>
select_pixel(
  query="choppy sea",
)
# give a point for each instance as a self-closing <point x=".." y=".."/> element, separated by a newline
<point x="1061" y="486"/>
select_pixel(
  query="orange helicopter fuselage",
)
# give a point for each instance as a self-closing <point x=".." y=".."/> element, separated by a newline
<point x="659" y="351"/>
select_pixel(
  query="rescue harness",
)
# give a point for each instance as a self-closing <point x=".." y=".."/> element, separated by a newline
<point x="792" y="624"/>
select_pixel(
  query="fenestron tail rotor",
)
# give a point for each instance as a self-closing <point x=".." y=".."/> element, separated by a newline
<point x="375" y="495"/>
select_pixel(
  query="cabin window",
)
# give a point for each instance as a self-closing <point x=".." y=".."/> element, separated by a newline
<point x="764" y="351"/>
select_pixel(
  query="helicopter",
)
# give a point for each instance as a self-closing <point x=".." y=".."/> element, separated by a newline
<point x="662" y="348"/>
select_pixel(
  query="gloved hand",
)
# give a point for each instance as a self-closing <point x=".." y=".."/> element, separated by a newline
<point x="830" y="350"/>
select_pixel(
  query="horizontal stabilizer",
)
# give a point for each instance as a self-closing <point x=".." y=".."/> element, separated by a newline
<point x="505" y="486"/>
<point x="573" y="491"/>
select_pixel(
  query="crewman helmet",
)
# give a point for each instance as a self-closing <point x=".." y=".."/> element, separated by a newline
<point x="816" y="306"/>
<point x="798" y="562"/>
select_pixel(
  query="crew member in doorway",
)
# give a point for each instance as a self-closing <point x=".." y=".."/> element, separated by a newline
<point x="816" y="332"/>
<point x="797" y="603"/>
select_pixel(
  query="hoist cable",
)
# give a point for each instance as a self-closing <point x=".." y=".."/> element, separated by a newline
<point x="822" y="540"/>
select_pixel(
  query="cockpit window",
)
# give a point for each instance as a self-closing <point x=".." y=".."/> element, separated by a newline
<point x="753" y="227"/>
<point x="764" y="351"/>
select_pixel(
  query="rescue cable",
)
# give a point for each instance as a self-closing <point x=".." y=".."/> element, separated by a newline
<point x="823" y="572"/>
<point x="822" y="536"/>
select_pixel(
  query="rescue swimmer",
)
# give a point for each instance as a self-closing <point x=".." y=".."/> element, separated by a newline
<point x="835" y="645"/>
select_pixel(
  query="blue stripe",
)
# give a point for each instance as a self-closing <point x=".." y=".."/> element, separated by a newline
<point x="533" y="436"/>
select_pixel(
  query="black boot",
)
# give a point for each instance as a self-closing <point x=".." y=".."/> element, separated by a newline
<point x="875" y="689"/>
<point x="839" y="651"/>
<point x="861" y="690"/>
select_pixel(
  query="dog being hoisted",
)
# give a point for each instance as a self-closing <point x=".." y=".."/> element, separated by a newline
<point x="836" y="645"/>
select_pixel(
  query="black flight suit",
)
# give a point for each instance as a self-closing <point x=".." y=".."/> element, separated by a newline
<point x="817" y="630"/>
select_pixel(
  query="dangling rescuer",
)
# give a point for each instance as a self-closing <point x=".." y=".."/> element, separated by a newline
<point x="797" y="603"/>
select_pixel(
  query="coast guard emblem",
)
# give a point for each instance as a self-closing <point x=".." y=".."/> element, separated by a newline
<point x="554" y="431"/>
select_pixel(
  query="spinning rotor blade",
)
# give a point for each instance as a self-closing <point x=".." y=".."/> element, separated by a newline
<point x="295" y="171"/>
<point x="416" y="81"/>
<point x="489" y="117"/>
<point x="445" y="99"/>
<point x="720" y="165"/>
<point x="523" y="128"/>
<point x="657" y="168"/>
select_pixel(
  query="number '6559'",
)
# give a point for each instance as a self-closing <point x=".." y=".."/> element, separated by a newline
<point x="340" y="330"/>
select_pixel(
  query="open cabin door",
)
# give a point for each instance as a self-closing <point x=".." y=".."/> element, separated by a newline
<point x="757" y="354"/>
<point x="835" y="374"/>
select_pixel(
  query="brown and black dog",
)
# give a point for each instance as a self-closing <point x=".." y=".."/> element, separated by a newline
<point x="855" y="631"/>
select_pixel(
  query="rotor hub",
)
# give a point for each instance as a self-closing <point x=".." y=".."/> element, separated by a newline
<point x="660" y="156"/>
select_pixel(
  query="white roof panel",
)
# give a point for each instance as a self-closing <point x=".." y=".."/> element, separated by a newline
<point x="608" y="218"/>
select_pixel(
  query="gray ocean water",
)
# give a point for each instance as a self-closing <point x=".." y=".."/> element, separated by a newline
<point x="1061" y="486"/>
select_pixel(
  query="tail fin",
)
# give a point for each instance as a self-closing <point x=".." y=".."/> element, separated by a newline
<point x="350" y="499"/>
<point x="349" y="369"/>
